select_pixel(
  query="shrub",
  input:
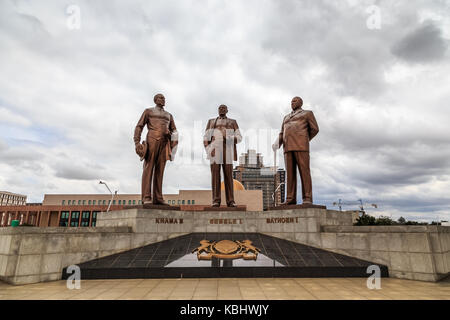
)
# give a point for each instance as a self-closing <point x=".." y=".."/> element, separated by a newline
<point x="384" y="221"/>
<point x="366" y="220"/>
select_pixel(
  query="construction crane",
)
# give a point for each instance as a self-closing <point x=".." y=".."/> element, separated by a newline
<point x="360" y="203"/>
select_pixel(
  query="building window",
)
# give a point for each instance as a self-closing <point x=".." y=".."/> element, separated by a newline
<point x="120" y="201"/>
<point x="84" y="202"/>
<point x="140" y="201"/>
<point x="79" y="202"/>
<point x="63" y="202"/>
<point x="104" y="202"/>
<point x="182" y="202"/>
<point x="129" y="202"/>
<point x="74" y="218"/>
<point x="94" y="218"/>
<point x="114" y="201"/>
<point x="193" y="201"/>
<point x="85" y="218"/>
<point x="64" y="219"/>
<point x="93" y="202"/>
<point x="89" y="202"/>
<point x="189" y="201"/>
<point x="134" y="201"/>
<point x="69" y="202"/>
<point x="179" y="201"/>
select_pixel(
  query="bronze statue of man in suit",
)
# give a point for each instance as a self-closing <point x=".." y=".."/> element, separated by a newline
<point x="162" y="138"/>
<point x="220" y="139"/>
<point x="299" y="127"/>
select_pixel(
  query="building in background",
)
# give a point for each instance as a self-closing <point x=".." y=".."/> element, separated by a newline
<point x="253" y="175"/>
<point x="200" y="198"/>
<point x="52" y="216"/>
<point x="80" y="210"/>
<point x="12" y="199"/>
<point x="91" y="199"/>
<point x="253" y="199"/>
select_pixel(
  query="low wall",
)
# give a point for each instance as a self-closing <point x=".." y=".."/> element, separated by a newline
<point x="410" y="252"/>
<point x="29" y="255"/>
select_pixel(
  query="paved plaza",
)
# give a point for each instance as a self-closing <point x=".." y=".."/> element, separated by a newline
<point x="230" y="289"/>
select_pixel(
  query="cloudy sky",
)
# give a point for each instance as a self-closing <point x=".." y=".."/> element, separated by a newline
<point x="76" y="76"/>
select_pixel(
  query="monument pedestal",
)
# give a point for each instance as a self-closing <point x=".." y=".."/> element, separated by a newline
<point x="297" y="206"/>
<point x="123" y="232"/>
<point x="224" y="208"/>
<point x="155" y="206"/>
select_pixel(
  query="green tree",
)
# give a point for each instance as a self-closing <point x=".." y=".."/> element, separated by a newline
<point x="384" y="221"/>
<point x="365" y="220"/>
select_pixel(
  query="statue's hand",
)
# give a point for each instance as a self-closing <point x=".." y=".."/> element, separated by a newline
<point x="139" y="149"/>
<point x="167" y="134"/>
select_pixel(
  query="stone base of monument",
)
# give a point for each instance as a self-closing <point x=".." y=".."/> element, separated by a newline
<point x="155" y="206"/>
<point x="297" y="206"/>
<point x="225" y="208"/>
<point x="305" y="242"/>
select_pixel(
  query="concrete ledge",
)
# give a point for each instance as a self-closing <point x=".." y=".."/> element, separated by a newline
<point x="63" y="230"/>
<point x="385" y="229"/>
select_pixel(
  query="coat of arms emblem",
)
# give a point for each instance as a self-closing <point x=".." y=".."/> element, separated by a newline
<point x="226" y="249"/>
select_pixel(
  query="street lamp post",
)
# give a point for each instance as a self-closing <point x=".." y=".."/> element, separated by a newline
<point x="112" y="195"/>
<point x="273" y="194"/>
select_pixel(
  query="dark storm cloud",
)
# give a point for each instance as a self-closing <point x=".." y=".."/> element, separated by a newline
<point x="425" y="44"/>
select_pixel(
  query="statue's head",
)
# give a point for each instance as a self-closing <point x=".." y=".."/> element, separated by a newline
<point x="296" y="103"/>
<point x="223" y="110"/>
<point x="159" y="100"/>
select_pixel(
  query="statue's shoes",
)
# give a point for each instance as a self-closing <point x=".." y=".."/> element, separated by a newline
<point x="148" y="202"/>
<point x="232" y="205"/>
<point x="159" y="203"/>
<point x="289" y="203"/>
<point x="215" y="204"/>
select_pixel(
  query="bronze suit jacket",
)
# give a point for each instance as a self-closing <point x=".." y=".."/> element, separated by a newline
<point x="299" y="127"/>
<point x="160" y="125"/>
<point x="222" y="124"/>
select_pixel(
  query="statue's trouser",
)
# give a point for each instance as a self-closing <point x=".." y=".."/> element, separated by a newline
<point x="228" y="181"/>
<point x="292" y="160"/>
<point x="154" y="165"/>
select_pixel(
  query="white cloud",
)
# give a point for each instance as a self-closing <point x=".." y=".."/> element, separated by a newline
<point x="70" y="99"/>
<point x="7" y="117"/>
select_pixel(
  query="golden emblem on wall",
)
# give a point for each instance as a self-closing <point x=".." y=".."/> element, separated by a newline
<point x="226" y="249"/>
